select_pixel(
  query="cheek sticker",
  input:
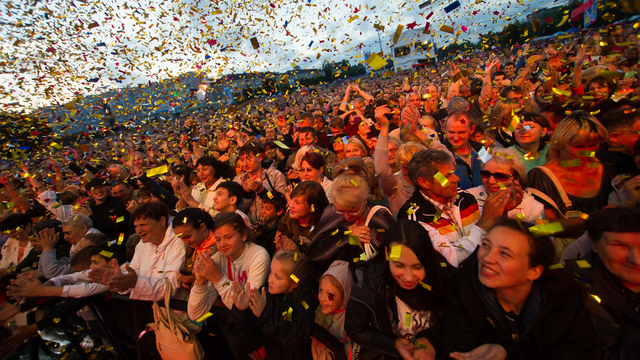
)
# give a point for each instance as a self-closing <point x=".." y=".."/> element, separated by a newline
<point x="330" y="296"/>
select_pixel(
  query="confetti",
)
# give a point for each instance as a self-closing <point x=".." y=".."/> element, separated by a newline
<point x="376" y="62"/>
<point x="306" y="307"/>
<point x="395" y="252"/>
<point x="444" y="182"/>
<point x="157" y="171"/>
<point x="294" y="278"/>
<point x="446" y="28"/>
<point x="106" y="254"/>
<point x="547" y="229"/>
<point x="204" y="317"/>
<point x="583" y="264"/>
<point x="396" y="35"/>
<point x="407" y="319"/>
<point x="255" y="43"/>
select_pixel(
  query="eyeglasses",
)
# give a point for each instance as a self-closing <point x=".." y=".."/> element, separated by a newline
<point x="349" y="213"/>
<point x="500" y="177"/>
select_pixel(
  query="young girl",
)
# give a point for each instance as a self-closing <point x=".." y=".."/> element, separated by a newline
<point x="308" y="201"/>
<point x="235" y="261"/>
<point x="278" y="317"/>
<point x="334" y="294"/>
<point x="396" y="307"/>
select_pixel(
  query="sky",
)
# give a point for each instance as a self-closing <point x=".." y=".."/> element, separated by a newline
<point x="53" y="51"/>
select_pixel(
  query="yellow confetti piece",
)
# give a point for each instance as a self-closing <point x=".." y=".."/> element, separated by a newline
<point x="561" y="92"/>
<point x="395" y="252"/>
<point x="120" y="219"/>
<point x="295" y="256"/>
<point x="335" y="232"/>
<point x="547" y="229"/>
<point x="286" y="315"/>
<point x="376" y="62"/>
<point x="294" y="278"/>
<point x="106" y="253"/>
<point x="396" y="35"/>
<point x="502" y="186"/>
<point x="313" y="209"/>
<point x="354" y="183"/>
<point x="596" y="298"/>
<point x="443" y="264"/>
<point x="426" y="286"/>
<point x="380" y="230"/>
<point x="305" y="306"/>
<point x="204" y="317"/>
<point x="583" y="264"/>
<point x="157" y="171"/>
<point x="407" y="319"/>
<point x="447" y="29"/>
<point x="556" y="266"/>
<point x="353" y="18"/>
<point x="120" y="238"/>
<point x="441" y="179"/>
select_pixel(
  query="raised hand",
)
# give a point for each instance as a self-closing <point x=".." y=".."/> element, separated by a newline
<point x="240" y="295"/>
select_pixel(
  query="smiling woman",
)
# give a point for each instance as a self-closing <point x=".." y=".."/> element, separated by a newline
<point x="505" y="301"/>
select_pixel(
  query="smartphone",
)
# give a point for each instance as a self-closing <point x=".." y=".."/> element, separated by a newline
<point x="186" y="272"/>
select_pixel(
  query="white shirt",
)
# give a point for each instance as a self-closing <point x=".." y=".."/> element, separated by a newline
<point x="153" y="263"/>
<point x="204" y="196"/>
<point x="252" y="266"/>
<point x="11" y="253"/>
<point x="78" y="285"/>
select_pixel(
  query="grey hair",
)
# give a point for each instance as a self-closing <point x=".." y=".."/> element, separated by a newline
<point x="78" y="221"/>
<point x="424" y="164"/>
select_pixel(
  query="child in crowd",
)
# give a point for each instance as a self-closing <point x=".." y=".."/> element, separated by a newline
<point x="236" y="260"/>
<point x="334" y="294"/>
<point x="278" y="317"/>
<point x="226" y="198"/>
<point x="195" y="228"/>
<point x="274" y="205"/>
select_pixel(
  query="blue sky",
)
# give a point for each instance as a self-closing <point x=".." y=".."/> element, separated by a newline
<point x="54" y="48"/>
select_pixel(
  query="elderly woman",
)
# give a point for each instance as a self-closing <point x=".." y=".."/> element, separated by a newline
<point x="75" y="228"/>
<point x="505" y="170"/>
<point x="353" y="228"/>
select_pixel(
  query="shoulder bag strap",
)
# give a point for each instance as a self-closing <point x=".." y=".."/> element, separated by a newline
<point x="563" y="194"/>
<point x="372" y="212"/>
<point x="546" y="198"/>
<point x="167" y="300"/>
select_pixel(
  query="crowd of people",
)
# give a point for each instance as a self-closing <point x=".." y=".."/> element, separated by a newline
<point x="484" y="208"/>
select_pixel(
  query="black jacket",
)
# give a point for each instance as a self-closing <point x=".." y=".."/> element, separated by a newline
<point x="111" y="217"/>
<point x="282" y="338"/>
<point x="370" y="318"/>
<point x="616" y="317"/>
<point x="551" y="326"/>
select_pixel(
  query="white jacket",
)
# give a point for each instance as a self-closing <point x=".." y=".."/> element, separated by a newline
<point x="153" y="263"/>
<point x="11" y="253"/>
<point x="252" y="266"/>
<point x="78" y="285"/>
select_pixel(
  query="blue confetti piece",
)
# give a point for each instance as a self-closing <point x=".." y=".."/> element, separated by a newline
<point x="345" y="140"/>
<point x="311" y="43"/>
<point x="23" y="147"/>
<point x="207" y="57"/>
<point x="101" y="44"/>
<point x="452" y="7"/>
<point x="286" y="23"/>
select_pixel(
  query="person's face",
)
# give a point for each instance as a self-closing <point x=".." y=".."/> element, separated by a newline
<point x="499" y="81"/>
<point x="509" y="70"/>
<point x="580" y="151"/>
<point x="598" y="91"/>
<point x="495" y="94"/>
<point x="560" y="97"/>
<point x="221" y="199"/>
<point x="491" y="184"/>
<point x="620" y="254"/>
<point x="336" y="131"/>
<point x="35" y="245"/>
<point x="503" y="260"/>
<point x="329" y="296"/>
<point x="458" y="132"/>
<point x="529" y="132"/>
<point x="305" y="139"/>
<point x="151" y="230"/>
<point x="299" y="208"/>
<point x="305" y="123"/>
<point x="250" y="163"/>
<point x="138" y="161"/>
<point x="350" y="215"/>
<point x="448" y="190"/>
<point x="406" y="269"/>
<point x="414" y="99"/>
<point x="628" y="137"/>
<point x="272" y="153"/>
<point x="122" y="192"/>
<point x="309" y="173"/>
<point x="353" y="151"/>
<point x="72" y="234"/>
<point x="433" y="93"/>
<point x="206" y="173"/>
<point x="268" y="212"/>
<point x="20" y="234"/>
<point x="99" y="193"/>
<point x="229" y="241"/>
<point x="98" y="261"/>
<point x="280" y="281"/>
<point x="270" y="133"/>
<point x="393" y="150"/>
<point x="363" y="128"/>
<point x="359" y="106"/>
<point x="192" y="237"/>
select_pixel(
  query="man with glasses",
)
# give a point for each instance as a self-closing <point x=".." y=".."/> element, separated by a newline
<point x="452" y="217"/>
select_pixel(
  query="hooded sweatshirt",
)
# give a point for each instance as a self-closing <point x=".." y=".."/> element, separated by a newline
<point x="334" y="322"/>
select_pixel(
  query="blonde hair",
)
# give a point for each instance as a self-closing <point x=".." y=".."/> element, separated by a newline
<point x="300" y="268"/>
<point x="406" y="151"/>
<point x="509" y="157"/>
<point x="357" y="143"/>
<point x="502" y="110"/>
<point x="350" y="186"/>
<point x="578" y="128"/>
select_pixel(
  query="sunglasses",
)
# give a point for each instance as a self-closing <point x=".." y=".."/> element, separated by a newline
<point x="500" y="177"/>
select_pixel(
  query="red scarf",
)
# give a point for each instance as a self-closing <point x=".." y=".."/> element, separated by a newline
<point x="206" y="244"/>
